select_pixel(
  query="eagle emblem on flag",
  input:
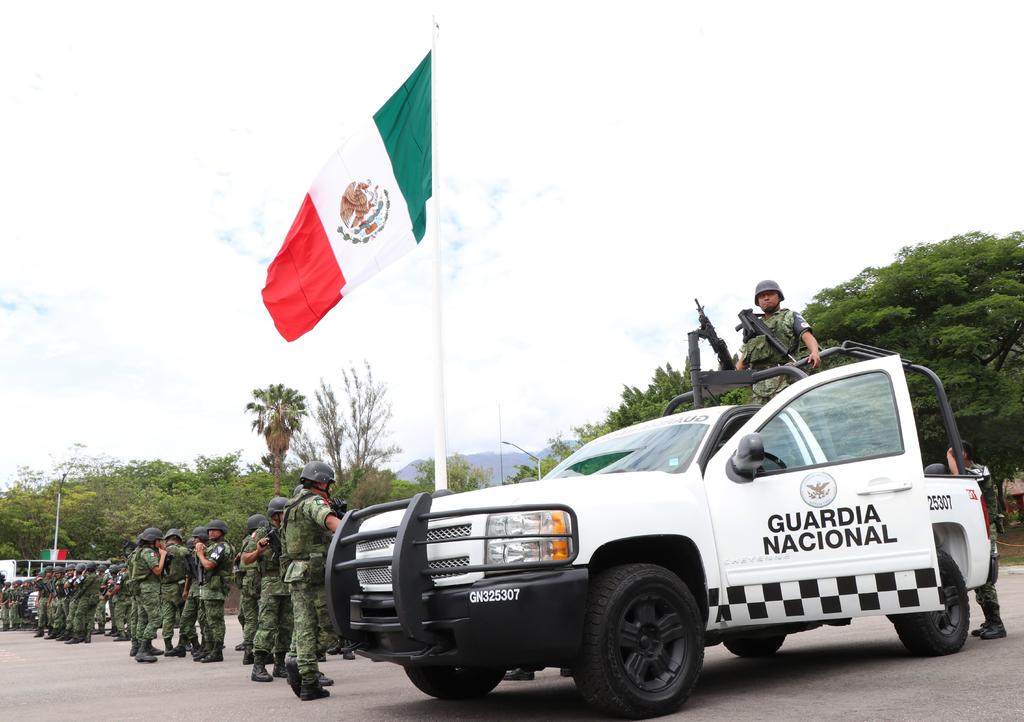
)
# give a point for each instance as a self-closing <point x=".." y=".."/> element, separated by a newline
<point x="364" y="211"/>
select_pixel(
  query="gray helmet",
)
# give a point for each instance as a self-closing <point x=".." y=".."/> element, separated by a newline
<point x="200" y="533"/>
<point x="767" y="285"/>
<point x="316" y="471"/>
<point x="90" y="566"/>
<point x="217" y="524"/>
<point x="80" y="567"/>
<point x="151" y="534"/>
<point x="276" y="505"/>
<point x="173" y="532"/>
<point x="255" y="522"/>
<point x="102" y="568"/>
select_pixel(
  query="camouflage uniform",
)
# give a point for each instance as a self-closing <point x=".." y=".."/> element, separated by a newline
<point x="249" y="601"/>
<point x="147" y="594"/>
<point x="305" y="547"/>
<point x="274" y="628"/>
<point x="193" y="610"/>
<point x="215" y="589"/>
<point x="42" y="602"/>
<point x="171" y="583"/>
<point x="986" y="595"/>
<point x="55" y="611"/>
<point x="88" y="591"/>
<point x="787" y="326"/>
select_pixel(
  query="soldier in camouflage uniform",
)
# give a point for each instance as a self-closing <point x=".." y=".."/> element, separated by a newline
<point x="100" y="615"/>
<point x="985" y="595"/>
<point x="85" y="607"/>
<point x="55" y="610"/>
<point x="171" y="584"/>
<point x="249" y="600"/>
<point x="193" y="611"/>
<point x="787" y="326"/>
<point x="149" y="567"/>
<point x="6" y="595"/>
<point x="306" y="518"/>
<point x="274" y="621"/>
<point x="215" y="559"/>
<point x="42" y="601"/>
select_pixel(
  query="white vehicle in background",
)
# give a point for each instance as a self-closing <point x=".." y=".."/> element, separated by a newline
<point x="737" y="525"/>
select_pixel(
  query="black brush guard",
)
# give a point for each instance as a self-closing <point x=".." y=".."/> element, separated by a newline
<point x="415" y="611"/>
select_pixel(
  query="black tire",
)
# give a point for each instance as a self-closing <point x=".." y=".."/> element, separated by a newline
<point x="455" y="682"/>
<point x="643" y="642"/>
<point x="932" y="634"/>
<point x="755" y="646"/>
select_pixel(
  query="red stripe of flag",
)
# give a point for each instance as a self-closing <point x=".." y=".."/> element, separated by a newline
<point x="304" y="280"/>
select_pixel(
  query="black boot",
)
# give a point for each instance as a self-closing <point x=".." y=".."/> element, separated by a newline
<point x="216" y="655"/>
<point x="74" y="640"/>
<point x="87" y="638"/>
<point x="240" y="647"/>
<point x="279" y="668"/>
<point x="178" y="651"/>
<point x="39" y="632"/>
<point x="291" y="666"/>
<point x="323" y="679"/>
<point x="312" y="690"/>
<point x="247" y="657"/>
<point x="995" y="629"/>
<point x="145" y="653"/>
<point x="259" y="668"/>
<point x="135" y="648"/>
<point x="977" y="632"/>
<point x="200" y="651"/>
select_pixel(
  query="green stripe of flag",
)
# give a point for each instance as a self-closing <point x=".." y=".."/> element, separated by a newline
<point x="404" y="125"/>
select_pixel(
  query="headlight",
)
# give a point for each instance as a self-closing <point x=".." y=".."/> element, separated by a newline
<point x="511" y="541"/>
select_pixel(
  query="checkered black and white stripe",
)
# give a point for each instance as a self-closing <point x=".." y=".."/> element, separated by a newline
<point x="852" y="596"/>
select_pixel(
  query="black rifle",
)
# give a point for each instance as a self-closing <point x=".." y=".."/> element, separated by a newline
<point x="707" y="331"/>
<point x="274" y="537"/>
<point x="752" y="327"/>
<point x="338" y="505"/>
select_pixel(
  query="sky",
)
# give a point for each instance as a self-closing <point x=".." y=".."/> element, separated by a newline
<point x="600" y="166"/>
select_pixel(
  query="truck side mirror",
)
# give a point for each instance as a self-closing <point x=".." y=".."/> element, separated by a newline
<point x="749" y="456"/>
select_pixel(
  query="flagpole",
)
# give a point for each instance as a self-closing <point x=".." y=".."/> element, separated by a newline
<point x="440" y="415"/>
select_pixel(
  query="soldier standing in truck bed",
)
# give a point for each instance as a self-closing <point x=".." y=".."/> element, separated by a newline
<point x="787" y="326"/>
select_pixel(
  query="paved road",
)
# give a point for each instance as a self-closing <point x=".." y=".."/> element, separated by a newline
<point x="859" y="672"/>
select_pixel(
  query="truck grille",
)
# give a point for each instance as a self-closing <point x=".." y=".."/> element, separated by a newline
<point x="439" y="570"/>
<point x="443" y="533"/>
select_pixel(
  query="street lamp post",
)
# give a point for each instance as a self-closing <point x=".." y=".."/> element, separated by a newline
<point x="509" y="443"/>
<point x="56" y="526"/>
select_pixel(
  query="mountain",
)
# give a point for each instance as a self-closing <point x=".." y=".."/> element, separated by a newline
<point x="488" y="460"/>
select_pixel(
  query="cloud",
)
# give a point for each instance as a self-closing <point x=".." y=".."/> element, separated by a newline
<point x="599" y="169"/>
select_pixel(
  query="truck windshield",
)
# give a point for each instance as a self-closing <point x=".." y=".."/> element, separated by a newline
<point x="663" y="448"/>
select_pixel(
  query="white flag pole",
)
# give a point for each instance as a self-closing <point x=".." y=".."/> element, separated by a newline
<point x="440" y="415"/>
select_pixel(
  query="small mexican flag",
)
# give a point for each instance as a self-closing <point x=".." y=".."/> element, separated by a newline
<point x="365" y="209"/>
<point x="53" y="554"/>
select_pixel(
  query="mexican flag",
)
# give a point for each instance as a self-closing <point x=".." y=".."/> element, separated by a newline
<point x="366" y="208"/>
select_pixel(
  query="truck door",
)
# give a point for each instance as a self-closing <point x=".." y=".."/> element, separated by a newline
<point x="836" y="523"/>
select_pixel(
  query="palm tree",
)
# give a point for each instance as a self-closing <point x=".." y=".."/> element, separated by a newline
<point x="279" y="411"/>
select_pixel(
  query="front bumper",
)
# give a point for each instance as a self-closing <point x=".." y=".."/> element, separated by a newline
<point x="529" y="615"/>
<point x="518" y="620"/>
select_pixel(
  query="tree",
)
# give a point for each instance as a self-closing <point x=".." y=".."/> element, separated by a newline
<point x="331" y="424"/>
<point x="366" y="423"/>
<point x="956" y="307"/>
<point x="278" y="411"/>
<point x="462" y="476"/>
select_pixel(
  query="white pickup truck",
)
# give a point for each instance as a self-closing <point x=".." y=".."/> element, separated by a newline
<point x="737" y="525"/>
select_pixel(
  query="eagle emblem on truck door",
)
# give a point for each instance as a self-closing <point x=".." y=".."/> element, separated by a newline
<point x="818" y="489"/>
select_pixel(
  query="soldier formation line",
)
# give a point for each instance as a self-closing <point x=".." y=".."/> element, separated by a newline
<point x="168" y="582"/>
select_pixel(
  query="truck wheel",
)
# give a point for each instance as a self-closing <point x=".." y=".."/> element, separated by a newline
<point x="931" y="634"/>
<point x="755" y="646"/>
<point x="643" y="642"/>
<point x="454" y="682"/>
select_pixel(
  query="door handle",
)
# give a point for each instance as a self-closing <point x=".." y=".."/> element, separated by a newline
<point x="884" y="485"/>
